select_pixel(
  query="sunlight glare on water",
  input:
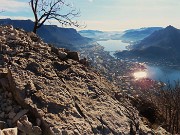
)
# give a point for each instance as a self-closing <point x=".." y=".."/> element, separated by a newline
<point x="140" y="74"/>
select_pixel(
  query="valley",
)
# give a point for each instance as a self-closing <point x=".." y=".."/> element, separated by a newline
<point x="89" y="67"/>
<point x="159" y="70"/>
<point x="116" y="46"/>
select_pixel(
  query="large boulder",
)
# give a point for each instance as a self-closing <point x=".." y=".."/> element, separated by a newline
<point x="73" y="55"/>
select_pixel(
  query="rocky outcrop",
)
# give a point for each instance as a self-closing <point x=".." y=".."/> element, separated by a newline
<point x="59" y="95"/>
<point x="9" y="131"/>
<point x="27" y="127"/>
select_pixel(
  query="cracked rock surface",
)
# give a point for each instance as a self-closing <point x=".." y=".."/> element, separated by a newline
<point x="63" y="95"/>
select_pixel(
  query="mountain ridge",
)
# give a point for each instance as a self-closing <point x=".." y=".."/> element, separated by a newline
<point x="138" y="34"/>
<point x="61" y="37"/>
<point x="168" y="36"/>
<point x="161" y="45"/>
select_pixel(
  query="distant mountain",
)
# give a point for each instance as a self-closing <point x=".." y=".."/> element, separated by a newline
<point x="90" y="32"/>
<point x="93" y="34"/>
<point x="100" y="35"/>
<point x="138" y="34"/>
<point x="132" y="35"/>
<point x="165" y="38"/>
<point x="160" y="45"/>
<point x="61" y="37"/>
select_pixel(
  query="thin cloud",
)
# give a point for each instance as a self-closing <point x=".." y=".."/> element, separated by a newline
<point x="90" y="0"/>
<point x="110" y="25"/>
<point x="17" y="17"/>
<point x="13" y="6"/>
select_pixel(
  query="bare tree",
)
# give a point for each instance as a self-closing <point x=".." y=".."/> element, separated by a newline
<point x="165" y="100"/>
<point x="59" y="10"/>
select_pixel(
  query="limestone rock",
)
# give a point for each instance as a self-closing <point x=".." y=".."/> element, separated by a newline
<point x="38" y="122"/>
<point x="73" y="55"/>
<point x="2" y="124"/>
<point x="26" y="127"/>
<point x="19" y="115"/>
<point x="3" y="72"/>
<point x="2" y="114"/>
<point x="12" y="115"/>
<point x="62" y="55"/>
<point x="9" y="131"/>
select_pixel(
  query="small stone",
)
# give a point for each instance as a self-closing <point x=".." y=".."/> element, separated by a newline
<point x="2" y="124"/>
<point x="4" y="102"/>
<point x="6" y="116"/>
<point x="37" y="130"/>
<point x="8" y="109"/>
<point x="64" y="132"/>
<point x="6" y="94"/>
<point x="1" y="90"/>
<point x="38" y="122"/>
<point x="19" y="115"/>
<point x="76" y="132"/>
<point x="73" y="55"/>
<point x="11" y="37"/>
<point x="10" y="27"/>
<point x="2" y="115"/>
<point x="25" y="126"/>
<point x="55" y="130"/>
<point x="9" y="95"/>
<point x="12" y="115"/>
<point x="62" y="55"/>
<point x="3" y="105"/>
<point x="9" y="122"/>
<point x="9" y="101"/>
<point x="17" y="108"/>
<point x="21" y="133"/>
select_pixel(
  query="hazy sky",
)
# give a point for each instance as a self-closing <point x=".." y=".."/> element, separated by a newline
<point x="111" y="15"/>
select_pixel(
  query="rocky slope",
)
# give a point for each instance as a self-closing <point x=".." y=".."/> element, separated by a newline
<point x="57" y="94"/>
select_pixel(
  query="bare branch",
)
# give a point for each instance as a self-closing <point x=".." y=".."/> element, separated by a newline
<point x="59" y="10"/>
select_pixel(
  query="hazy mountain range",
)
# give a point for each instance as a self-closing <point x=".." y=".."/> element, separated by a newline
<point x="158" y="44"/>
<point x="138" y="34"/>
<point x="97" y="35"/>
<point x="132" y="35"/>
<point x="165" y="38"/>
<point x="61" y="37"/>
<point x="162" y="45"/>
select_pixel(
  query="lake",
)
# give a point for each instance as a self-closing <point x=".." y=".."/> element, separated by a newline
<point x="113" y="45"/>
<point x="157" y="73"/>
<point x="164" y="74"/>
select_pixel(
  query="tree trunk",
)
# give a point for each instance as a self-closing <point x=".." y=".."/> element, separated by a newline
<point x="35" y="27"/>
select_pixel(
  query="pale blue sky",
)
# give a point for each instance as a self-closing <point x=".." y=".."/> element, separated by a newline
<point x="111" y="15"/>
